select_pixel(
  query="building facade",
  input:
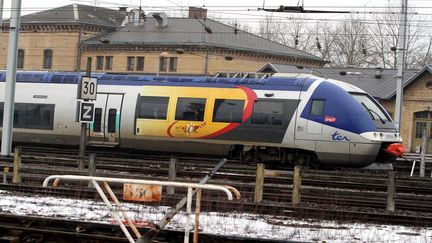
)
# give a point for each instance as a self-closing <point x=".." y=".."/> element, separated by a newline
<point x="131" y="42"/>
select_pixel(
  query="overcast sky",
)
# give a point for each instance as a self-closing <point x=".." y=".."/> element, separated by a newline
<point x="243" y="10"/>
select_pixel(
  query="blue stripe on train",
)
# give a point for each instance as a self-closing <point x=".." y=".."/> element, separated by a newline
<point x="272" y="83"/>
<point x="349" y="113"/>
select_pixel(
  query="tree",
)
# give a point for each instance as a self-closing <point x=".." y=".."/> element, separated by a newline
<point x="350" y="43"/>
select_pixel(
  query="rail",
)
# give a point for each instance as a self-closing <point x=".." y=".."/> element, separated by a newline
<point x="228" y="190"/>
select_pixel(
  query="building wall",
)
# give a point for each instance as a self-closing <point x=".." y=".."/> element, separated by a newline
<point x="190" y="62"/>
<point x="416" y="98"/>
<point x="64" y="45"/>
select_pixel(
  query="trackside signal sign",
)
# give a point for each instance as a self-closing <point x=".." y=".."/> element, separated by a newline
<point x="87" y="88"/>
<point x="86" y="114"/>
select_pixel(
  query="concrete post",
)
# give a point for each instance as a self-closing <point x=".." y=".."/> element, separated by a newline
<point x="391" y="191"/>
<point x="197" y="215"/>
<point x="296" y="192"/>
<point x="91" y="168"/>
<point x="171" y="175"/>
<point x="5" y="172"/>
<point x="423" y="153"/>
<point x="17" y="166"/>
<point x="259" y="183"/>
<point x="9" y="94"/>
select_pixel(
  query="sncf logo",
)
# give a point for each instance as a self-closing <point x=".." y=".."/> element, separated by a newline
<point x="337" y="137"/>
<point x="329" y="119"/>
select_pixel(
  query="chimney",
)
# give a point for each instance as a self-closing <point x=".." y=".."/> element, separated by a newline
<point x="197" y="13"/>
<point x="161" y="19"/>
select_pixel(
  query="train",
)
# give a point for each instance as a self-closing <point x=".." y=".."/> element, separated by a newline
<point x="284" y="118"/>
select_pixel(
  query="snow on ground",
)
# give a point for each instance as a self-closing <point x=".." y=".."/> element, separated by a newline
<point x="236" y="224"/>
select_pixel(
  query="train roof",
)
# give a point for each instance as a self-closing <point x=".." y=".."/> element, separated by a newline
<point x="292" y="82"/>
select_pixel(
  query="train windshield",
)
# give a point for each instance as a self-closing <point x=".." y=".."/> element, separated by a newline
<point x="372" y="108"/>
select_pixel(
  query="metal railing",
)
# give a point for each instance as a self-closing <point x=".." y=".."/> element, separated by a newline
<point x="228" y="190"/>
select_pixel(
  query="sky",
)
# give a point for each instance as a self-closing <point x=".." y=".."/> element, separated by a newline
<point x="239" y="9"/>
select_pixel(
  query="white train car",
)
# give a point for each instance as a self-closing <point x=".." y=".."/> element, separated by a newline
<point x="273" y="119"/>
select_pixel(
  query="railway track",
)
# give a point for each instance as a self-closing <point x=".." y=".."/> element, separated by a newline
<point x="347" y="195"/>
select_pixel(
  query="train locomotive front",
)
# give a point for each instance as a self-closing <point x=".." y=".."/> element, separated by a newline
<point x="345" y="126"/>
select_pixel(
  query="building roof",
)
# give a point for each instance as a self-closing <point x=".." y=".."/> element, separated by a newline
<point x="192" y="32"/>
<point x="411" y="79"/>
<point x="77" y="14"/>
<point x="379" y="83"/>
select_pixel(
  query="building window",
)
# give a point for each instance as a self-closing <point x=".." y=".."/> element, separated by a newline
<point x="420" y="126"/>
<point x="163" y="64"/>
<point x="99" y="62"/>
<point x="190" y="109"/>
<point x="140" y="64"/>
<point x="108" y="62"/>
<point x="173" y="64"/>
<point x="130" y="63"/>
<point x="228" y="110"/>
<point x="20" y="61"/>
<point x="48" y="56"/>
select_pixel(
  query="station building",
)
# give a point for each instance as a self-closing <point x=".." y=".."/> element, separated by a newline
<point x="135" y="42"/>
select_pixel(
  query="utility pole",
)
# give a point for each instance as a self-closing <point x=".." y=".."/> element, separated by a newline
<point x="401" y="63"/>
<point x="8" y="113"/>
<point x="1" y="17"/>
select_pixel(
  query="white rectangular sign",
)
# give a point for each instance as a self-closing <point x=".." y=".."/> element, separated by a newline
<point x="86" y="113"/>
<point x="87" y="88"/>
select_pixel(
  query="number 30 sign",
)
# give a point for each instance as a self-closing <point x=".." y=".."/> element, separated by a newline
<point x="87" y="88"/>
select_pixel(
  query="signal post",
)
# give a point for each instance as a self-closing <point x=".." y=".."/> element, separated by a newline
<point x="87" y="92"/>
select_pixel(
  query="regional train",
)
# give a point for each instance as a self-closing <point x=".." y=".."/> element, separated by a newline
<point x="280" y="118"/>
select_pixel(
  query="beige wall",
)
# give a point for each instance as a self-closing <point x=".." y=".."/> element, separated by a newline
<point x="416" y="98"/>
<point x="188" y="62"/>
<point x="63" y="45"/>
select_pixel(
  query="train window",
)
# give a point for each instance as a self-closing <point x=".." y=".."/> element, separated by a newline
<point x="39" y="116"/>
<point x="32" y="116"/>
<point x="190" y="109"/>
<point x="69" y="79"/>
<point x="112" y="118"/>
<point x="152" y="107"/>
<point x="1" y="114"/>
<point x="266" y="112"/>
<point x="97" y="124"/>
<point x="317" y="107"/>
<point x="228" y="110"/>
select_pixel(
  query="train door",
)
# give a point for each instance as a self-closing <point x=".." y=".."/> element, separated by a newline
<point x="105" y="130"/>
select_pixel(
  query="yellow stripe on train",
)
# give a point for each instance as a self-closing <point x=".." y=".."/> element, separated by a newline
<point x="205" y="128"/>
